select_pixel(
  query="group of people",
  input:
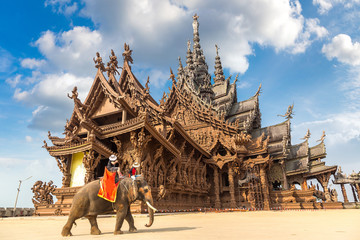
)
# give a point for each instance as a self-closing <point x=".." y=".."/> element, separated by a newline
<point x="113" y="166"/>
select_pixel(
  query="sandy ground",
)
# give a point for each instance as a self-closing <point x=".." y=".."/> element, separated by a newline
<point x="308" y="225"/>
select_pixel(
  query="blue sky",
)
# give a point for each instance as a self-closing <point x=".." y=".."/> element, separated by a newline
<point x="302" y="52"/>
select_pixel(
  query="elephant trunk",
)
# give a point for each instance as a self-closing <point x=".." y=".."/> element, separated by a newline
<point x="149" y="202"/>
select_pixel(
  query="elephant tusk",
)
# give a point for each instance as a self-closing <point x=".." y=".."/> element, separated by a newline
<point x="147" y="203"/>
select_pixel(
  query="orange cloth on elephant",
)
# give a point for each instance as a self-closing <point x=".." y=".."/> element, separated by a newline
<point x="108" y="187"/>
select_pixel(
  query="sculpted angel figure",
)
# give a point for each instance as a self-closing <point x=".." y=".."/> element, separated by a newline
<point x="77" y="101"/>
<point x="127" y="53"/>
<point x="195" y="23"/>
<point x="98" y="62"/>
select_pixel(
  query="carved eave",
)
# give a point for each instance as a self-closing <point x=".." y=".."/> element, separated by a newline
<point x="201" y="112"/>
<point x="260" y="159"/>
<point x="276" y="134"/>
<point x="80" y="147"/>
<point x="158" y="136"/>
<point x="220" y="161"/>
<point x="184" y="134"/>
<point x="318" y="151"/>
<point x="321" y="170"/>
<point x="219" y="142"/>
<point x="57" y="141"/>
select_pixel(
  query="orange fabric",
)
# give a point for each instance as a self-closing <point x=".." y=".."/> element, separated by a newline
<point x="108" y="187"/>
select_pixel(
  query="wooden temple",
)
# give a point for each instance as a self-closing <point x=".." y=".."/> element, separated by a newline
<point x="198" y="148"/>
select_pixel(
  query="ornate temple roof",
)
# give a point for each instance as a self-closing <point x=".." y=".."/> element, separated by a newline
<point x="206" y="116"/>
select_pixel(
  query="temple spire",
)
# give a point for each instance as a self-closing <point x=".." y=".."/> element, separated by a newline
<point x="189" y="60"/>
<point x="219" y="74"/>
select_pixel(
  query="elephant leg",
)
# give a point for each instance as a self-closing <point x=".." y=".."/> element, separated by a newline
<point x="120" y="216"/>
<point x="94" y="227"/>
<point x="129" y="218"/>
<point x="67" y="227"/>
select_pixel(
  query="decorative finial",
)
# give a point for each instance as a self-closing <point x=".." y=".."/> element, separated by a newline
<point x="112" y="66"/>
<point x="307" y="136"/>
<point x="172" y="76"/>
<point x="147" y="88"/>
<point x="289" y="112"/>
<point x="196" y="24"/>
<point x="98" y="62"/>
<point x="217" y="50"/>
<point x="188" y="45"/>
<point x="127" y="53"/>
<point x="322" y="137"/>
<point x="258" y="91"/>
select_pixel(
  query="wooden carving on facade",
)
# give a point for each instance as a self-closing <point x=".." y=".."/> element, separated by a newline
<point x="199" y="143"/>
<point x="43" y="192"/>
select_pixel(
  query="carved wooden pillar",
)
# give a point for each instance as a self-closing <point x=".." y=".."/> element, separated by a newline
<point x="64" y="166"/>
<point x="354" y="193"/>
<point x="343" y="190"/>
<point x="217" y="188"/>
<point x="324" y="181"/>
<point x="357" y="189"/>
<point x="282" y="164"/>
<point x="265" y="187"/>
<point x="124" y="116"/>
<point x="232" y="187"/>
<point x="90" y="163"/>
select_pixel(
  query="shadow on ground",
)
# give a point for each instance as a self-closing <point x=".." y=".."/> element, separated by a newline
<point x="155" y="230"/>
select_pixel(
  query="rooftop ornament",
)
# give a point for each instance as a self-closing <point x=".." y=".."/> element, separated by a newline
<point x="322" y="137"/>
<point x="99" y="63"/>
<point x="289" y="113"/>
<point x="127" y="53"/>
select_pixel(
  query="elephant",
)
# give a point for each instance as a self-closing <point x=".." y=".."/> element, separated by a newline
<point x="87" y="204"/>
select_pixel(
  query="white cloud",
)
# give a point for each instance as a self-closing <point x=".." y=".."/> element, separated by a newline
<point x="62" y="6"/>
<point x="156" y="29"/>
<point x="157" y="32"/>
<point x="70" y="51"/>
<point x="32" y="63"/>
<point x="340" y="128"/>
<point x="343" y="49"/>
<point x="6" y="61"/>
<point x="49" y="98"/>
<point x="326" y="5"/>
<point x="13" y="81"/>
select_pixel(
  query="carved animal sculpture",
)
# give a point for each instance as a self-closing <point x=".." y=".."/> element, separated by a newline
<point x="87" y="204"/>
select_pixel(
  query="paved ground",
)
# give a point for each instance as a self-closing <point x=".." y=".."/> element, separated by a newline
<point x="308" y="225"/>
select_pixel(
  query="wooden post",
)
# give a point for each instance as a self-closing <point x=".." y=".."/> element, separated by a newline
<point x="354" y="193"/>
<point x="265" y="187"/>
<point x="343" y="190"/>
<point x="232" y="187"/>
<point x="324" y="181"/>
<point x="124" y="116"/>
<point x="217" y="190"/>
<point x="282" y="164"/>
<point x="357" y="189"/>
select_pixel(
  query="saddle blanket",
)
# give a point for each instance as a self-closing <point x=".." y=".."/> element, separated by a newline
<point x="108" y="187"/>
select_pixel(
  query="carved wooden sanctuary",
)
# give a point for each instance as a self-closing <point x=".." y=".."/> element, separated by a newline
<point x="199" y="147"/>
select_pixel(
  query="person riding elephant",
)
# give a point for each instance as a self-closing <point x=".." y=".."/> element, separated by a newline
<point x="113" y="166"/>
<point x="86" y="203"/>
